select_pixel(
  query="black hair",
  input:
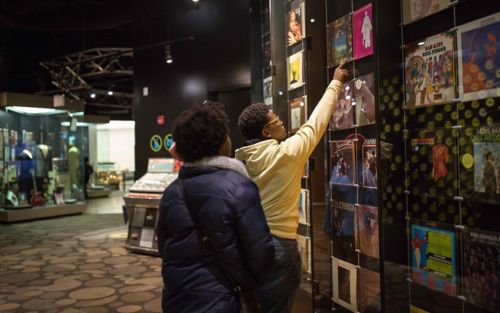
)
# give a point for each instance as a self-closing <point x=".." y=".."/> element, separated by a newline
<point x="252" y="120"/>
<point x="200" y="131"/>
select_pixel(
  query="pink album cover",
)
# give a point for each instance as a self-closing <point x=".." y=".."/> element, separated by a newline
<point x="362" y="28"/>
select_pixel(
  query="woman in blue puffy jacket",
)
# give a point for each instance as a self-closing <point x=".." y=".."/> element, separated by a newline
<point x="212" y="233"/>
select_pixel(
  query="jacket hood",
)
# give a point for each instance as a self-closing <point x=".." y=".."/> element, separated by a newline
<point x="254" y="157"/>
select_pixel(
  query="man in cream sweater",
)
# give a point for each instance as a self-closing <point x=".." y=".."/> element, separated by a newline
<point x="275" y="164"/>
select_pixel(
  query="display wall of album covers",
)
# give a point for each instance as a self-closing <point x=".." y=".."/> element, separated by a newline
<point x="344" y="230"/>
<point x="369" y="161"/>
<point x="369" y="293"/>
<point x="342" y="162"/>
<point x="268" y="90"/>
<point x="339" y="39"/>
<point x="434" y="257"/>
<point x="296" y="70"/>
<point x="430" y="75"/>
<point x="368" y="231"/>
<point x="298" y="113"/>
<point x="364" y="95"/>
<point x="343" y="115"/>
<point x="304" y="206"/>
<point x="432" y="166"/>
<point x="482" y="269"/>
<point x="362" y="27"/>
<point x="479" y="58"/>
<point x="344" y="277"/>
<point x="304" y="247"/>
<point x="417" y="9"/>
<point x="296" y="24"/>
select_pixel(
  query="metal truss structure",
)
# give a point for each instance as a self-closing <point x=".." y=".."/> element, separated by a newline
<point x="100" y="72"/>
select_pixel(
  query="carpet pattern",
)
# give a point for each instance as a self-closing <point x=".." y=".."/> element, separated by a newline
<point x="75" y="264"/>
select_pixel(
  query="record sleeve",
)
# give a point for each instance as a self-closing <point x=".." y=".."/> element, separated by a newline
<point x="296" y="24"/>
<point x="369" y="150"/>
<point x="344" y="231"/>
<point x="430" y="75"/>
<point x="342" y="161"/>
<point x="344" y="277"/>
<point x="339" y="38"/>
<point x="298" y="113"/>
<point x="295" y="70"/>
<point x="343" y="115"/>
<point x="364" y="96"/>
<point x="417" y="9"/>
<point x="362" y="24"/>
<point x="368" y="231"/>
<point x="479" y="58"/>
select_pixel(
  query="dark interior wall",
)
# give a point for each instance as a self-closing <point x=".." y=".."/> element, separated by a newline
<point x="218" y="58"/>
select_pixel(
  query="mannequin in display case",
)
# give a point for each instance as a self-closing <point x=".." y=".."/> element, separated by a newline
<point x="73" y="166"/>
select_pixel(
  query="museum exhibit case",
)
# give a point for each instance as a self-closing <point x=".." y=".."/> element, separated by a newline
<point x="411" y="155"/>
<point x="41" y="159"/>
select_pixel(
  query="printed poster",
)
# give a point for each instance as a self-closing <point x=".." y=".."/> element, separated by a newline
<point x="343" y="115"/>
<point x="487" y="161"/>
<point x="298" y="113"/>
<point x="430" y="71"/>
<point x="362" y="24"/>
<point x="344" y="277"/>
<point x="268" y="90"/>
<point x="364" y="96"/>
<point x="369" y="293"/>
<point x="296" y="25"/>
<point x="342" y="161"/>
<point x="295" y="70"/>
<point x="368" y="231"/>
<point x="482" y="269"/>
<point x="417" y="9"/>
<point x="343" y="231"/>
<point x="339" y="38"/>
<point x="479" y="58"/>
<point x="434" y="258"/>
<point x="369" y="149"/>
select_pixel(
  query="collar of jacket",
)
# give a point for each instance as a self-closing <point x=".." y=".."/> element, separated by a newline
<point x="252" y="141"/>
<point x="217" y="162"/>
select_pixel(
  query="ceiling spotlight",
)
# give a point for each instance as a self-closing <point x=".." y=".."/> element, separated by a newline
<point x="168" y="54"/>
<point x="110" y="92"/>
<point x="195" y="1"/>
<point x="92" y="95"/>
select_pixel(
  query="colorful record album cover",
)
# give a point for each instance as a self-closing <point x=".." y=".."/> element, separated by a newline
<point x="344" y="230"/>
<point x="344" y="277"/>
<point x="304" y="207"/>
<point x="364" y="96"/>
<point x="479" y="58"/>
<point x="342" y="161"/>
<point x="298" y="113"/>
<point x="150" y="217"/>
<point x="482" y="269"/>
<point x="487" y="161"/>
<point x="296" y="25"/>
<point x="370" y="164"/>
<point x="416" y="9"/>
<point x="134" y="236"/>
<point x="430" y="71"/>
<point x="295" y="70"/>
<point x="343" y="115"/>
<point x="362" y="27"/>
<point x="369" y="293"/>
<point x="368" y="234"/>
<point x="304" y="247"/>
<point x="268" y="90"/>
<point x="339" y="40"/>
<point x="434" y="258"/>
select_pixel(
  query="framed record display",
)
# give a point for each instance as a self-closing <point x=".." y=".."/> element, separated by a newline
<point x="298" y="113"/>
<point x="295" y="70"/>
<point x="430" y="76"/>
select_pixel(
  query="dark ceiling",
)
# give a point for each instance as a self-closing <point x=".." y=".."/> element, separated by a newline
<point x="32" y="31"/>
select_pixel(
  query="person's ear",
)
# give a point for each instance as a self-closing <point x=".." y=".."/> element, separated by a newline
<point x="266" y="134"/>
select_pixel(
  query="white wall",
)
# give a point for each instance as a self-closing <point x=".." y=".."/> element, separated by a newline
<point x="116" y="143"/>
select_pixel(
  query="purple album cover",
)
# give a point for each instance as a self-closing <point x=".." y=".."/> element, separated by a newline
<point x="362" y="27"/>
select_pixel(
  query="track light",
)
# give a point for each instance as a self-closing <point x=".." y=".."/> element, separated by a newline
<point x="92" y="95"/>
<point x="195" y="1"/>
<point x="168" y="54"/>
<point x="110" y="92"/>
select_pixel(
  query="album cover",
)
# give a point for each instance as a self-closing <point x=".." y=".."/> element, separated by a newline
<point x="364" y="96"/>
<point x="268" y="90"/>
<point x="482" y="269"/>
<point x="344" y="277"/>
<point x="304" y="247"/>
<point x="434" y="258"/>
<point x="487" y="160"/>
<point x="343" y="115"/>
<point x="134" y="236"/>
<point x="296" y="25"/>
<point x="339" y="38"/>
<point x="150" y="217"/>
<point x="147" y="237"/>
<point x="368" y="231"/>
<point x="342" y="161"/>
<point x="295" y="70"/>
<point x="344" y="230"/>
<point x="304" y="207"/>
<point x="430" y="71"/>
<point x="138" y="217"/>
<point x="369" y="150"/>
<point x="416" y="9"/>
<point x="479" y="58"/>
<point x="362" y="27"/>
<point x="369" y="293"/>
<point x="298" y="113"/>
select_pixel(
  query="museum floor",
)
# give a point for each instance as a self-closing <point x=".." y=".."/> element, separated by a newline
<point x="79" y="264"/>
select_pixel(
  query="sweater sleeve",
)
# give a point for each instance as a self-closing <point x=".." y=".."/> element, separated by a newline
<point x="301" y="145"/>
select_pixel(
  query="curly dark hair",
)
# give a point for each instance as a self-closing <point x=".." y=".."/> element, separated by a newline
<point x="252" y="120"/>
<point x="200" y="131"/>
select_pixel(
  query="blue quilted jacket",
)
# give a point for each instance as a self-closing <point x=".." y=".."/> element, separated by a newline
<point x="201" y="269"/>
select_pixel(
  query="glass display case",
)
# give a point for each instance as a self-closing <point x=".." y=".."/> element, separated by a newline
<point x="41" y="160"/>
<point x="107" y="174"/>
